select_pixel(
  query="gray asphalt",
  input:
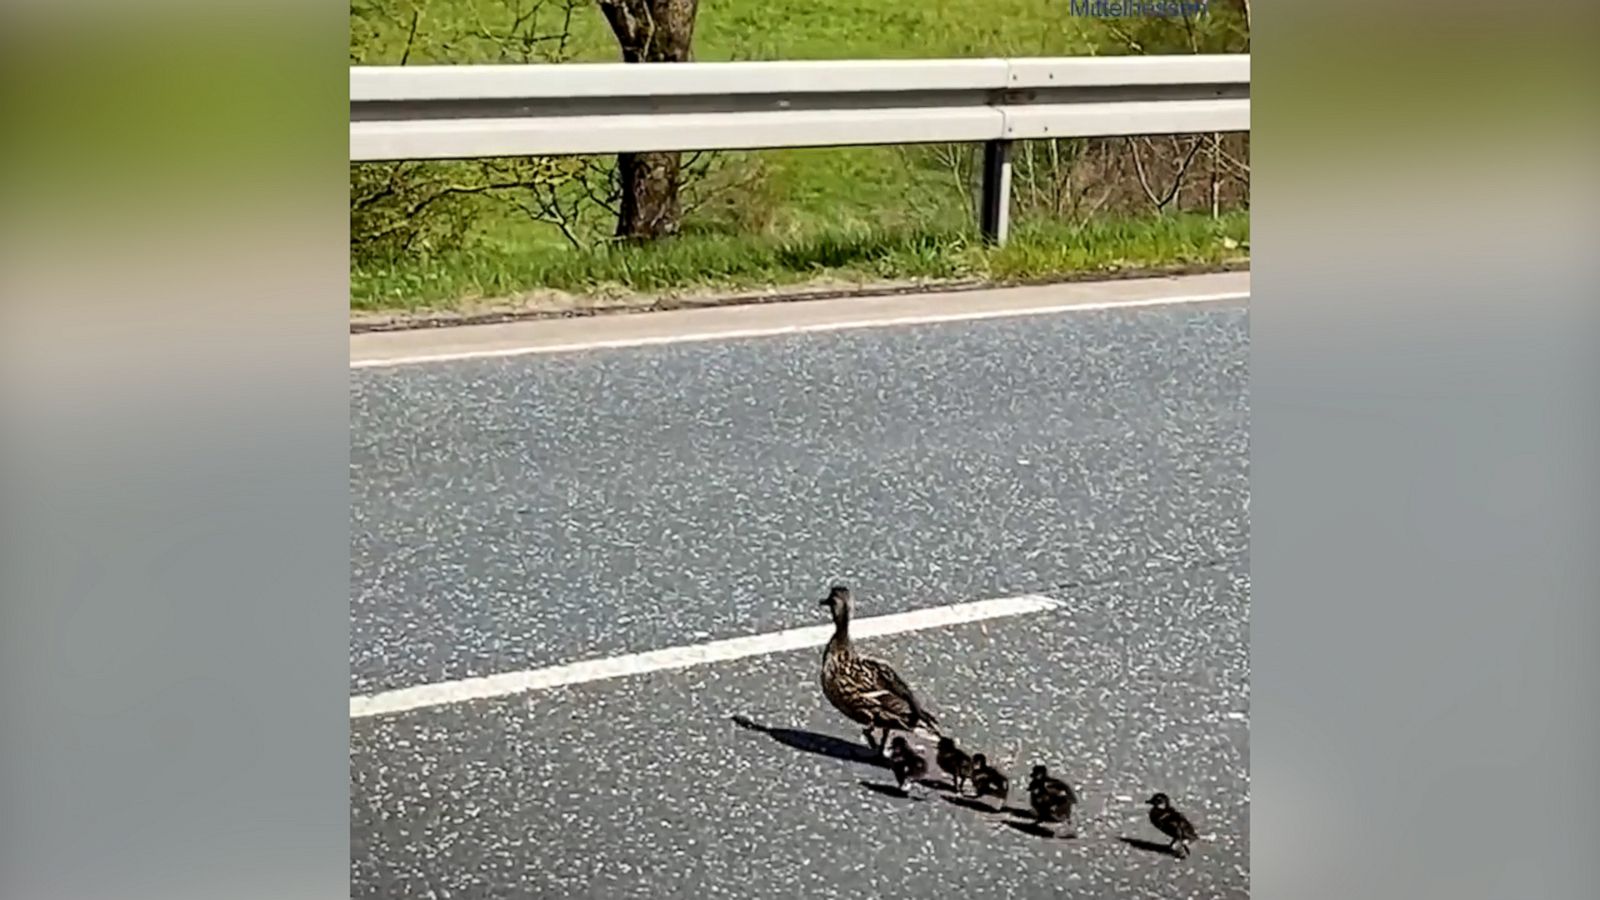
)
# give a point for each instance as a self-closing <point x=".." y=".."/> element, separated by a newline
<point x="524" y="512"/>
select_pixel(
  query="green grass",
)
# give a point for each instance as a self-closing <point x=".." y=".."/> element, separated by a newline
<point x="752" y="29"/>
<point x="851" y="213"/>
<point x="736" y="262"/>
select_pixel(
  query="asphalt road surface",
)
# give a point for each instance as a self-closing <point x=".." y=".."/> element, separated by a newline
<point x="519" y="513"/>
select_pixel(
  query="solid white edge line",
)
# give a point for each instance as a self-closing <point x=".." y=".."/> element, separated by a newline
<point x="735" y="333"/>
<point x="511" y="683"/>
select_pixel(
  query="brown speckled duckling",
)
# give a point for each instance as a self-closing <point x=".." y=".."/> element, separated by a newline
<point x="866" y="689"/>
<point x="955" y="762"/>
<point x="1171" y="823"/>
<point x="987" y="781"/>
<point x="1051" y="798"/>
<point x="908" y="764"/>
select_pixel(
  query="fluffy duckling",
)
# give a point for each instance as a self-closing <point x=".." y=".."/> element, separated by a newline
<point x="867" y="690"/>
<point x="1171" y="823"/>
<point x="1052" y="799"/>
<point x="908" y="764"/>
<point x="987" y="781"/>
<point x="955" y="762"/>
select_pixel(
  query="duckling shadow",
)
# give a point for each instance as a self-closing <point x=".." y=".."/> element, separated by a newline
<point x="889" y="790"/>
<point x="812" y="742"/>
<point x="1150" y="846"/>
<point x="977" y="805"/>
<point x="1038" y="830"/>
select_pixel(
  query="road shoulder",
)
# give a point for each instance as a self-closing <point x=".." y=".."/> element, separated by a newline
<point x="432" y="345"/>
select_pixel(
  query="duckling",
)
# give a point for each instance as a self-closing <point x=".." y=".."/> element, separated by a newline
<point x="865" y="689"/>
<point x="1052" y="799"/>
<point x="908" y="764"/>
<point x="1171" y="823"/>
<point x="955" y="762"/>
<point x="987" y="781"/>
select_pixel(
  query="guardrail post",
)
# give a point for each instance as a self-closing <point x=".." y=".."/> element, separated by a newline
<point x="994" y="208"/>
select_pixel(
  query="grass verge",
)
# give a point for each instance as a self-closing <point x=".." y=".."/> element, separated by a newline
<point x="508" y="277"/>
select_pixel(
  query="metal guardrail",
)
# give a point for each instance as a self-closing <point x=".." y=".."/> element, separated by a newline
<point x="466" y="112"/>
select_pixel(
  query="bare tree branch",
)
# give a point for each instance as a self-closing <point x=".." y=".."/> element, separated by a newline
<point x="1177" y="180"/>
<point x="411" y="37"/>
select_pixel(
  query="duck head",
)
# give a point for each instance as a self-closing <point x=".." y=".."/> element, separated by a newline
<point x="838" y="602"/>
<point x="1159" y="800"/>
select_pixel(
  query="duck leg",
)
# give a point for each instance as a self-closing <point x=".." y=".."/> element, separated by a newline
<point x="870" y="742"/>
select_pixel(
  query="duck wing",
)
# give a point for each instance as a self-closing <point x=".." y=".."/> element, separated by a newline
<point x="913" y="765"/>
<point x="1186" y="828"/>
<point x="1173" y="824"/>
<point x="989" y="780"/>
<point x="895" y="694"/>
<point x="1052" y="797"/>
<point x="954" y="760"/>
<point x="1064" y="797"/>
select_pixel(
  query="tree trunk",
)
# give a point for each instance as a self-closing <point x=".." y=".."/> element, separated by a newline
<point x="650" y="31"/>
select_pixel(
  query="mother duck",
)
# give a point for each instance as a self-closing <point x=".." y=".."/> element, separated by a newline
<point x="866" y="689"/>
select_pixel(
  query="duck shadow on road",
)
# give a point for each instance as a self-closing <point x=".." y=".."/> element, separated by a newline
<point x="1150" y="846"/>
<point x="973" y="804"/>
<point x="1020" y="819"/>
<point x="812" y="742"/>
<point x="889" y="790"/>
<point x="1038" y="830"/>
<point x="987" y="807"/>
